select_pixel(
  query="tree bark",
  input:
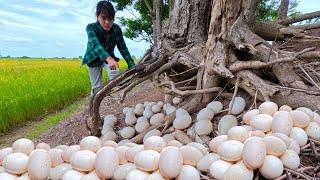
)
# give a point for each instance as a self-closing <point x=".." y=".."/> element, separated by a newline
<point x="300" y="18"/>
<point x="283" y="10"/>
<point x="158" y="16"/>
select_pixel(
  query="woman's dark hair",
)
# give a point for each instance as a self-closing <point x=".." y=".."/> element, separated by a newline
<point x="106" y="8"/>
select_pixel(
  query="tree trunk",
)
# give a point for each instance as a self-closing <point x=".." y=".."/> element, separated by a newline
<point x="207" y="46"/>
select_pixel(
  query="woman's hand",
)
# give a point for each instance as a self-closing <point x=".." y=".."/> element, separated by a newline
<point x="112" y="63"/>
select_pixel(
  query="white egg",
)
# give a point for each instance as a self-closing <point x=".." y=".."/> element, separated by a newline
<point x="299" y="135"/>
<point x="205" y="114"/>
<point x="313" y="130"/>
<point x="83" y="160"/>
<point x="199" y="146"/>
<point x="154" y="132"/>
<point x="39" y="165"/>
<point x="262" y="122"/>
<point x="109" y="120"/>
<point x="109" y="143"/>
<point x="4" y="152"/>
<point x="272" y="167"/>
<point x="123" y="170"/>
<point x="299" y="119"/>
<point x="238" y="133"/>
<point x="170" y="162"/>
<point x="282" y="123"/>
<point x="230" y="150"/>
<point x="23" y="145"/>
<point x="67" y="153"/>
<point x="215" y="106"/>
<point x="107" y="161"/>
<point x="130" y="118"/>
<point x="238" y="171"/>
<point x="168" y="137"/>
<point x="205" y="162"/>
<point x="133" y="151"/>
<point x="72" y="175"/>
<point x="147" y="160"/>
<point x="57" y="172"/>
<point x="44" y="146"/>
<point x="157" y="119"/>
<point x="138" y="109"/>
<point x="91" y="143"/>
<point x="203" y="127"/>
<point x="7" y="176"/>
<point x="16" y="163"/>
<point x="142" y="124"/>
<point x="216" y="141"/>
<point x="254" y="153"/>
<point x="55" y="156"/>
<point x="290" y="159"/>
<point x="156" y="143"/>
<point x="285" y="108"/>
<point x="188" y="172"/>
<point x="239" y="105"/>
<point x="191" y="155"/>
<point x="294" y="146"/>
<point x="174" y="143"/>
<point x="121" y="152"/>
<point x="226" y="123"/>
<point x="268" y="107"/>
<point x="137" y="175"/>
<point x="156" y="108"/>
<point x="218" y="168"/>
<point x="275" y="146"/>
<point x="176" y="100"/>
<point x="308" y="111"/>
<point x="182" y="120"/>
<point x="247" y="117"/>
<point x="127" y="132"/>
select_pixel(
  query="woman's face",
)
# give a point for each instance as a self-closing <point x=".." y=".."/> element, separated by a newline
<point x="105" y="22"/>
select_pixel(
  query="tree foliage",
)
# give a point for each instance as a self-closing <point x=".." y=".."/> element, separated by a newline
<point x="269" y="9"/>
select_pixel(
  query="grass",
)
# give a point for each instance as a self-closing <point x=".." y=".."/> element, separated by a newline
<point x="36" y="87"/>
<point x="53" y="119"/>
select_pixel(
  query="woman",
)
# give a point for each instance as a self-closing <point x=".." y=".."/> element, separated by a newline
<point x="103" y="36"/>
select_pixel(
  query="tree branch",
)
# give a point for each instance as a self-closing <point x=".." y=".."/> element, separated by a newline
<point x="300" y="18"/>
<point x="242" y="65"/>
<point x="148" y="6"/>
<point x="188" y="92"/>
<point x="307" y="26"/>
<point x="284" y="6"/>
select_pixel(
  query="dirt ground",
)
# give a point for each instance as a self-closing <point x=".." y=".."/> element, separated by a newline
<point x="71" y="130"/>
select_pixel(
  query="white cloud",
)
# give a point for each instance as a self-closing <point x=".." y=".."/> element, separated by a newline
<point x="59" y="43"/>
<point x="60" y="3"/>
<point x="50" y="26"/>
<point x="12" y="39"/>
<point x="18" y="26"/>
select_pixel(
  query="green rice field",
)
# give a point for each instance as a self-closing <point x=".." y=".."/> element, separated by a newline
<point x="35" y="87"/>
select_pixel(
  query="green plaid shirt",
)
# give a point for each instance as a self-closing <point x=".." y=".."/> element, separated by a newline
<point x="101" y="44"/>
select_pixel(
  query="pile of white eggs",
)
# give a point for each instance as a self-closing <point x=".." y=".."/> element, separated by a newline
<point x="268" y="141"/>
<point x="137" y="120"/>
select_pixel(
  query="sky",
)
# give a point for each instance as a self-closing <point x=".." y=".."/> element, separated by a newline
<point x="56" y="28"/>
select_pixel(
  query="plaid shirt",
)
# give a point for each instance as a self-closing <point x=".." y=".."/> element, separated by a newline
<point x="101" y="44"/>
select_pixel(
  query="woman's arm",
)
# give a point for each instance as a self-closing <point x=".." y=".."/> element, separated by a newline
<point x="124" y="50"/>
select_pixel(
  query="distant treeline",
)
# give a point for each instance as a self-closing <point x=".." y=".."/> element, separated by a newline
<point x="51" y="58"/>
<point x="39" y="58"/>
